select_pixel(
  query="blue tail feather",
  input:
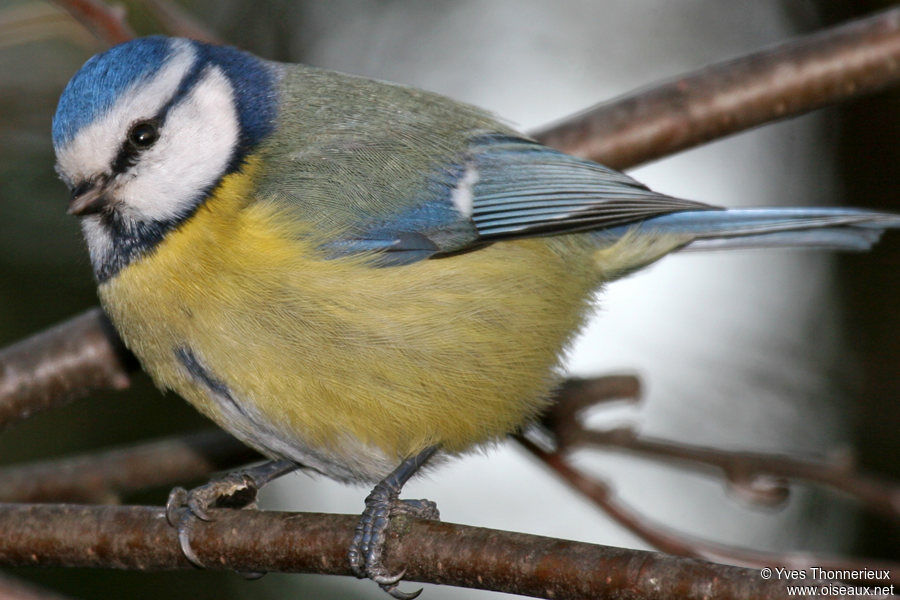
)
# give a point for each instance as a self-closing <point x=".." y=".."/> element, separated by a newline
<point x="832" y="228"/>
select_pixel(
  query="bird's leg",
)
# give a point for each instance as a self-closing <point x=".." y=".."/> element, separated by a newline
<point x="368" y="544"/>
<point x="237" y="489"/>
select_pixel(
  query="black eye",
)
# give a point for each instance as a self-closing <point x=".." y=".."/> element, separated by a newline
<point x="143" y="134"/>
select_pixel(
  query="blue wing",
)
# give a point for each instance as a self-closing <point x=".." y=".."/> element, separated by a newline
<point x="506" y="187"/>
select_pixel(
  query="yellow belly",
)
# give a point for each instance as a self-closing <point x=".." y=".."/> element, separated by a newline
<point x="337" y="358"/>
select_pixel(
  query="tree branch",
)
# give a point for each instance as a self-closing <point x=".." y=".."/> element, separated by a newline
<point x="140" y="538"/>
<point x="789" y="79"/>
<point x="756" y="476"/>
<point x="176" y="21"/>
<point x="681" y="544"/>
<point x="102" y="477"/>
<point x="761" y="478"/>
<point x="15" y="589"/>
<point x="98" y="477"/>
<point x="64" y="363"/>
<point x="107" y="23"/>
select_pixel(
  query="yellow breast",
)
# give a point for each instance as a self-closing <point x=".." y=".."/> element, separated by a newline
<point x="336" y="356"/>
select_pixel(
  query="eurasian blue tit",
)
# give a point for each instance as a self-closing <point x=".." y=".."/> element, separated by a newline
<point x="354" y="276"/>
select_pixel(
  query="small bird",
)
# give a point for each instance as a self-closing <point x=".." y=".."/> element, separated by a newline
<point x="352" y="276"/>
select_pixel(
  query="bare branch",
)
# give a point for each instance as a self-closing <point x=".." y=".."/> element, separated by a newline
<point x="103" y="476"/>
<point x="679" y="543"/>
<point x="35" y="21"/>
<point x="15" y="589"/>
<point x="140" y="538"/>
<point x="790" y="79"/>
<point x="758" y="477"/>
<point x="108" y="24"/>
<point x="63" y="363"/>
<point x="176" y="21"/>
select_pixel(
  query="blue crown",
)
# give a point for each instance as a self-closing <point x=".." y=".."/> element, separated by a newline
<point x="94" y="89"/>
<point x="103" y="78"/>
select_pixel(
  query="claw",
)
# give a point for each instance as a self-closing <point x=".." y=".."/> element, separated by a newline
<point x="177" y="500"/>
<point x="185" y="526"/>
<point x="401" y="595"/>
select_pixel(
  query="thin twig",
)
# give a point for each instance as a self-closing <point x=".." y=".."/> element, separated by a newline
<point x="751" y="473"/>
<point x="16" y="589"/>
<point x="744" y="470"/>
<point x="140" y="538"/>
<point x="107" y="23"/>
<point x="37" y="21"/>
<point x="678" y="543"/>
<point x="176" y="21"/>
<point x="758" y="477"/>
<point x="833" y="65"/>
<point x="102" y="477"/>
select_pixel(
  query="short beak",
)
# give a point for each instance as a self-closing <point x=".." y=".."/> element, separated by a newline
<point x="88" y="198"/>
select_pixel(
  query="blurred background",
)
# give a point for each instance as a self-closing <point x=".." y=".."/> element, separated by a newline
<point x="790" y="352"/>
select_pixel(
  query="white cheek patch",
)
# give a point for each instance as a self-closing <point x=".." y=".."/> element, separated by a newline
<point x="96" y="145"/>
<point x="197" y="141"/>
<point x="99" y="242"/>
<point x="462" y="195"/>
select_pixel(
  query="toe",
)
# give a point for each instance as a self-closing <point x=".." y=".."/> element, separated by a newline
<point x="383" y="579"/>
<point x="176" y="501"/>
<point x="422" y="509"/>
<point x="198" y="505"/>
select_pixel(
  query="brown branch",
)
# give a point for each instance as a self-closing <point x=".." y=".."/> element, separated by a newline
<point x="758" y="477"/>
<point x="108" y="24"/>
<point x="176" y="21"/>
<point x="103" y="476"/>
<point x="829" y="66"/>
<point x="793" y="78"/>
<point x="61" y="364"/>
<point x="681" y="544"/>
<point x="25" y="23"/>
<point x="744" y="470"/>
<point x="15" y="589"/>
<point x="751" y="473"/>
<point x="430" y="551"/>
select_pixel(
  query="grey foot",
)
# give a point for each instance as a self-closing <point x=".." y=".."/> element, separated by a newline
<point x="367" y="549"/>
<point x="235" y="490"/>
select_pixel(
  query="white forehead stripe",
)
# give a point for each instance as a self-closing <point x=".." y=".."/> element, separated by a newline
<point x="196" y="144"/>
<point x="462" y="195"/>
<point x="96" y="145"/>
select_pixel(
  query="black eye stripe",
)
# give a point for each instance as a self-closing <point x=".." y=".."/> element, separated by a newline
<point x="141" y="135"/>
<point x="128" y="152"/>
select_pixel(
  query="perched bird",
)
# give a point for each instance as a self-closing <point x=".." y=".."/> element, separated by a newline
<point x="353" y="276"/>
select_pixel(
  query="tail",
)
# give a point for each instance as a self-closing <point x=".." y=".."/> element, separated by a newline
<point x="822" y="228"/>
